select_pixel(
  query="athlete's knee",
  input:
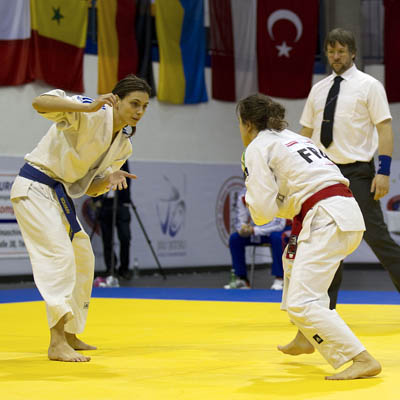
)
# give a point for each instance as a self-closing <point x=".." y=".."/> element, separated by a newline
<point x="299" y="311"/>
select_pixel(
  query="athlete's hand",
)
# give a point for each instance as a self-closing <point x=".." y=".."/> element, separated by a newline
<point x="117" y="180"/>
<point x="246" y="230"/>
<point x="380" y="185"/>
<point x="109" y="98"/>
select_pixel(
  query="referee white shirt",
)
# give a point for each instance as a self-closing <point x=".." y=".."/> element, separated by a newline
<point x="361" y="105"/>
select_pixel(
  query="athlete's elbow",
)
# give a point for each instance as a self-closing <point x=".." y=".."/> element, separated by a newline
<point x="37" y="104"/>
<point x="260" y="219"/>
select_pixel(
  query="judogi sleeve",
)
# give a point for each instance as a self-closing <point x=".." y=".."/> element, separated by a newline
<point x="276" y="225"/>
<point x="262" y="189"/>
<point x="63" y="119"/>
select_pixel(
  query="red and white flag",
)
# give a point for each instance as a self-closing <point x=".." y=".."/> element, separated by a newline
<point x="233" y="48"/>
<point x="15" y="33"/>
<point x="392" y="50"/>
<point x="286" y="44"/>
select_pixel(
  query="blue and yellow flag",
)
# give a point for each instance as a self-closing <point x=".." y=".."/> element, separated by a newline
<point x="182" y="46"/>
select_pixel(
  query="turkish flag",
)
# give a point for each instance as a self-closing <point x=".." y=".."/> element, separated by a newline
<point x="286" y="44"/>
<point x="392" y="49"/>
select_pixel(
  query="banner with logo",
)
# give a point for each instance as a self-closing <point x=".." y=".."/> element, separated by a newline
<point x="187" y="211"/>
<point x="11" y="242"/>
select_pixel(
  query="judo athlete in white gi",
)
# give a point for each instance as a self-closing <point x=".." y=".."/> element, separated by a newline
<point x="289" y="177"/>
<point x="81" y="153"/>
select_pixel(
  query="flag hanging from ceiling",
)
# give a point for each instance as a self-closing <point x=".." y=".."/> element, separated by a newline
<point x="286" y="44"/>
<point x="117" y="46"/>
<point x="15" y="33"/>
<point x="144" y="30"/>
<point x="181" y="39"/>
<point x="392" y="49"/>
<point x="59" y="29"/>
<point x="233" y="48"/>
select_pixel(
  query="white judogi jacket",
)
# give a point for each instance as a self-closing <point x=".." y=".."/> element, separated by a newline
<point x="283" y="170"/>
<point x="77" y="148"/>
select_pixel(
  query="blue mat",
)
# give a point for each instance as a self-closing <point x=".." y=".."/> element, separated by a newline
<point x="254" y="295"/>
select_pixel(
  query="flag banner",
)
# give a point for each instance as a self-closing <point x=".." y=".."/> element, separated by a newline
<point x="181" y="39"/>
<point x="91" y="39"/>
<point x="117" y="46"/>
<point x="59" y="31"/>
<point x="144" y="30"/>
<point x="233" y="48"/>
<point x="15" y="33"/>
<point x="392" y="49"/>
<point x="286" y="45"/>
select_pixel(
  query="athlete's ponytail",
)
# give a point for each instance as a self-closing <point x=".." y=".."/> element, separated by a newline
<point x="262" y="112"/>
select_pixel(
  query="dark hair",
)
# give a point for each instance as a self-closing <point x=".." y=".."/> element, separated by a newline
<point x="131" y="83"/>
<point x="262" y="112"/>
<point x="342" y="36"/>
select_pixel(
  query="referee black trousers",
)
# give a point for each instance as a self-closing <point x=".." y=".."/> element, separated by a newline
<point x="123" y="231"/>
<point x="377" y="236"/>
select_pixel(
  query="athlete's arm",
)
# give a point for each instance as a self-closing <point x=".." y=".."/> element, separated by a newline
<point x="49" y="103"/>
<point x="381" y="183"/>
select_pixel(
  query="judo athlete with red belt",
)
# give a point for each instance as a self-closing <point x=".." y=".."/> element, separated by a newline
<point x="289" y="177"/>
<point x="81" y="153"/>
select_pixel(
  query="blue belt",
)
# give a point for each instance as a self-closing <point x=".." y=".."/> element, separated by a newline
<point x="29" y="172"/>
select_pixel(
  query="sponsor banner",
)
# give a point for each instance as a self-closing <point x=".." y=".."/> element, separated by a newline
<point x="186" y="211"/>
<point x="11" y="243"/>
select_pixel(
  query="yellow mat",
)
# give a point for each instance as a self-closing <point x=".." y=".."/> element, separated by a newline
<point x="174" y="349"/>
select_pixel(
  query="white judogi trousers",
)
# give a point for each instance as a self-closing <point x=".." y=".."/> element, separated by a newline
<point x="62" y="270"/>
<point x="306" y="284"/>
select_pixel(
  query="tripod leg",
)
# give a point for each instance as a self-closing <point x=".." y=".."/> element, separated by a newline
<point x="148" y="241"/>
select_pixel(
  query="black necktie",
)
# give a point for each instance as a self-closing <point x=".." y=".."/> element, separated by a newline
<point x="329" y="112"/>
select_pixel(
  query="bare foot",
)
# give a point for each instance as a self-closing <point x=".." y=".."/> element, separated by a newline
<point x="59" y="349"/>
<point x="299" y="345"/>
<point x="77" y="344"/>
<point x="64" y="352"/>
<point x="364" y="366"/>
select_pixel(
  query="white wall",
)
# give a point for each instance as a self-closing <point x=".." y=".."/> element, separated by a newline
<point x="206" y="133"/>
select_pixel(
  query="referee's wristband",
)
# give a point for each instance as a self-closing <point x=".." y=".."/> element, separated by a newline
<point x="384" y="165"/>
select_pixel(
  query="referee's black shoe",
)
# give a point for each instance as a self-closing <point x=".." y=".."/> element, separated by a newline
<point x="125" y="274"/>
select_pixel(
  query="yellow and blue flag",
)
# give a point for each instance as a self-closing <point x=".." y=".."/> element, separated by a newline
<point x="181" y="39"/>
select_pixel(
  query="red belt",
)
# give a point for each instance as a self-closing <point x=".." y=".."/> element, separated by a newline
<point x="338" y="189"/>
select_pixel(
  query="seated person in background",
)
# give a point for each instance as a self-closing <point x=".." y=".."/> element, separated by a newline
<point x="248" y="234"/>
<point x="123" y="221"/>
